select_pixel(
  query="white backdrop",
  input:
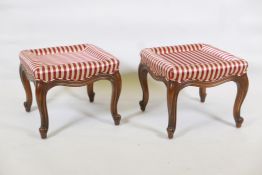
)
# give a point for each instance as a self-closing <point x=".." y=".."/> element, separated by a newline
<point x="125" y="27"/>
<point x="79" y="144"/>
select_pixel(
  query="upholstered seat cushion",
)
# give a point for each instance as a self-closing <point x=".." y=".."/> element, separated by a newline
<point x="76" y="62"/>
<point x="192" y="62"/>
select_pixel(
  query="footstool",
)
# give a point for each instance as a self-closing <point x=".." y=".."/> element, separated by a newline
<point x="75" y="65"/>
<point x="199" y="65"/>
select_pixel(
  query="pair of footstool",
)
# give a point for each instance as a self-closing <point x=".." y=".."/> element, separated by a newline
<point x="179" y="66"/>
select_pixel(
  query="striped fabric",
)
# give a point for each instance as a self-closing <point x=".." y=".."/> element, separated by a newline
<point x="200" y="62"/>
<point x="76" y="62"/>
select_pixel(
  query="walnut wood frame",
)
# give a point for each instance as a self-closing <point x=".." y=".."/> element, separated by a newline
<point x="41" y="89"/>
<point x="173" y="89"/>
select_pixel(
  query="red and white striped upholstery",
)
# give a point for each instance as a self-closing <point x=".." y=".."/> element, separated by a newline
<point x="76" y="62"/>
<point x="192" y="62"/>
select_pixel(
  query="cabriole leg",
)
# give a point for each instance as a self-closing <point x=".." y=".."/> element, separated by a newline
<point x="116" y="90"/>
<point x="172" y="95"/>
<point x="142" y="74"/>
<point x="41" y="92"/>
<point x="90" y="92"/>
<point x="242" y="88"/>
<point x="27" y="87"/>
<point x="202" y="94"/>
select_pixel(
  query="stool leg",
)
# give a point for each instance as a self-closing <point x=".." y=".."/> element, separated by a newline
<point x="41" y="92"/>
<point x="172" y="95"/>
<point x="142" y="74"/>
<point x="27" y="87"/>
<point x="90" y="92"/>
<point x="202" y="94"/>
<point x="242" y="88"/>
<point x="116" y="90"/>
